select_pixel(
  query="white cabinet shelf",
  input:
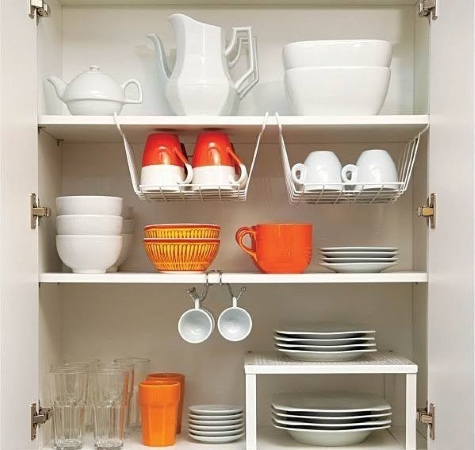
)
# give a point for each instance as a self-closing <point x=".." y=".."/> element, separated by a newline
<point x="322" y="129"/>
<point x="248" y="278"/>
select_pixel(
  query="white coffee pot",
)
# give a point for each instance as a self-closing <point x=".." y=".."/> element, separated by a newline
<point x="200" y="83"/>
<point x="94" y="93"/>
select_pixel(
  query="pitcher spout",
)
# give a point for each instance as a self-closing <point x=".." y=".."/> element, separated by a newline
<point x="59" y="86"/>
<point x="163" y="68"/>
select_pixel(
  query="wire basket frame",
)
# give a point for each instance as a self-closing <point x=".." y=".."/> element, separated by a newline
<point x="188" y="192"/>
<point x="354" y="191"/>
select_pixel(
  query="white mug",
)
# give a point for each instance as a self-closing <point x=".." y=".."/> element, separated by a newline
<point x="374" y="169"/>
<point x="196" y="325"/>
<point x="319" y="171"/>
<point x="234" y="323"/>
<point x="165" y="177"/>
<point x="212" y="177"/>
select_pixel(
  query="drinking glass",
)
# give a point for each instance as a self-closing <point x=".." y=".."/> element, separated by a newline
<point x="109" y="392"/>
<point x="141" y="370"/>
<point x="68" y="389"/>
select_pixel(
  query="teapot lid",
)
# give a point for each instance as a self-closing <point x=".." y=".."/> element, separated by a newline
<point x="93" y="84"/>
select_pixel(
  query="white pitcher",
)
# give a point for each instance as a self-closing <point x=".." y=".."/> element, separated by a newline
<point x="200" y="83"/>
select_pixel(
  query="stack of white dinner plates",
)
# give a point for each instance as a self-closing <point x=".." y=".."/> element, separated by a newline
<point x="330" y="419"/>
<point x="324" y="342"/>
<point x="358" y="259"/>
<point x="215" y="424"/>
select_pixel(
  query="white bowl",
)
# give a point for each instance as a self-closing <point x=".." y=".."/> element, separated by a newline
<point x="88" y="254"/>
<point x="89" y="204"/>
<point x="89" y="225"/>
<point x="333" y="91"/>
<point x="127" y="240"/>
<point x="128" y="226"/>
<point x="346" y="52"/>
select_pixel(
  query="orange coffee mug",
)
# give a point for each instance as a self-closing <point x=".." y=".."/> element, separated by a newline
<point x="159" y="402"/>
<point x="279" y="247"/>
<point x="173" y="377"/>
<point x="253" y="243"/>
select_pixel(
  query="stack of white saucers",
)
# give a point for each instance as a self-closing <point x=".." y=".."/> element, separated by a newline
<point x="331" y="419"/>
<point x="324" y="342"/>
<point x="215" y="424"/>
<point x="359" y="259"/>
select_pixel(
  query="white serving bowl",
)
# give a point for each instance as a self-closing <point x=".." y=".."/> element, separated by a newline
<point x="89" y="225"/>
<point x="88" y="254"/>
<point x="347" y="52"/>
<point x="89" y="204"/>
<point x="127" y="240"/>
<point x="335" y="91"/>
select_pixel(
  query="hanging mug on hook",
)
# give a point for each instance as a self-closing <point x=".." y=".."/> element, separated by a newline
<point x="197" y="324"/>
<point x="235" y="323"/>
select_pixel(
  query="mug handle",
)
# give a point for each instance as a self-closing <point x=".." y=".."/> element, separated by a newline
<point x="240" y="234"/>
<point x="189" y="170"/>
<point x="301" y="169"/>
<point x="243" y="176"/>
<point x="352" y="170"/>
<point x="139" y="87"/>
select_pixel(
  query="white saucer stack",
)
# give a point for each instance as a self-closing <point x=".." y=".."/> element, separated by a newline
<point x="216" y="424"/>
<point x="324" y="342"/>
<point x="331" y="419"/>
<point x="358" y="259"/>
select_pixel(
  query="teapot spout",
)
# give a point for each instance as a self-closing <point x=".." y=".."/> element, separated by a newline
<point x="162" y="60"/>
<point x="59" y="86"/>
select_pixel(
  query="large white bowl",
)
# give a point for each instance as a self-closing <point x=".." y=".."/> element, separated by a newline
<point x="127" y="240"/>
<point x="335" y="91"/>
<point x="89" y="225"/>
<point x="88" y="254"/>
<point x="89" y="204"/>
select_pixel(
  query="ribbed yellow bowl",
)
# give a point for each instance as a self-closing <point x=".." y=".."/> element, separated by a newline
<point x="181" y="255"/>
<point x="182" y="231"/>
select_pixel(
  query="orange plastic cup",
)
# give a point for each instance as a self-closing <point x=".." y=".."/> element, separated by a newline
<point x="279" y="247"/>
<point x="173" y="377"/>
<point x="159" y="401"/>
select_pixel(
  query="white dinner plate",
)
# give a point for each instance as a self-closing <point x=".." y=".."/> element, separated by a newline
<point x="357" y="254"/>
<point x="312" y="417"/>
<point x="359" y="260"/>
<point x="324" y="348"/>
<point x="323" y="329"/>
<point x="217" y="433"/>
<point x="330" y="402"/>
<point x="323" y="341"/>
<point x="215" y="410"/>
<point x="204" y="418"/>
<point x="215" y="439"/>
<point x="359" y="249"/>
<point x="216" y="423"/>
<point x="302" y="355"/>
<point x="329" y="425"/>
<point x="358" y="267"/>
<point x="192" y="426"/>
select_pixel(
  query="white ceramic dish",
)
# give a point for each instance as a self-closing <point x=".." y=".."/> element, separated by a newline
<point x="330" y="402"/>
<point x="359" y="254"/>
<point x="359" y="260"/>
<point x="318" y="417"/>
<point x="347" y="52"/>
<point x="305" y="355"/>
<point x="323" y="329"/>
<point x="359" y="267"/>
<point x="215" y="439"/>
<point x="217" y="433"/>
<point x="315" y="425"/>
<point x="88" y="254"/>
<point x="127" y="240"/>
<point x="216" y="423"/>
<point x="337" y="91"/>
<point x="359" y="249"/>
<point x="192" y="426"/>
<point x="204" y="417"/>
<point x="318" y="341"/>
<point x="89" y="204"/>
<point x="89" y="225"/>
<point x="215" y="410"/>
<point x="331" y="348"/>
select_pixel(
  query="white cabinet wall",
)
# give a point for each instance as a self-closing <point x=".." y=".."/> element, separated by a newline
<point x="430" y="323"/>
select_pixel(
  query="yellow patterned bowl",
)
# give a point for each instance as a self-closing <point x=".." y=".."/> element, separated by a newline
<point x="181" y="255"/>
<point x="182" y="231"/>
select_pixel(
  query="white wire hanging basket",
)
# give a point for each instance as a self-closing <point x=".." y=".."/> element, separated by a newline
<point x="349" y="192"/>
<point x="188" y="192"/>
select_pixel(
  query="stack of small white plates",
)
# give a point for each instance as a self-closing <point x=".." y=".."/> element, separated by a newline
<point x="215" y="424"/>
<point x="332" y="419"/>
<point x="324" y="342"/>
<point x="358" y="259"/>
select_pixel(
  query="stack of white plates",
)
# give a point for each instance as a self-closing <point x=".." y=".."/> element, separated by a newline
<point x="324" y="342"/>
<point x="215" y="424"/>
<point x="358" y="259"/>
<point x="332" y="419"/>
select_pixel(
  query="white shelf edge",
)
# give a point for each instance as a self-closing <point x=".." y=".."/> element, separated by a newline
<point x="373" y="363"/>
<point x="249" y="278"/>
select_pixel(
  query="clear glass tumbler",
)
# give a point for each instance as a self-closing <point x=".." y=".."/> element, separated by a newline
<point x="109" y="392"/>
<point x="68" y="389"/>
<point x="141" y="370"/>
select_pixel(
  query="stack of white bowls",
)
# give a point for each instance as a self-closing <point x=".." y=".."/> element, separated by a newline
<point x="128" y="228"/>
<point x="89" y="232"/>
<point x="337" y="77"/>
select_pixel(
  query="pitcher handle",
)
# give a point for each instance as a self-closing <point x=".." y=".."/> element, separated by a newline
<point x="243" y="88"/>
<point x="232" y="62"/>
<point x="139" y="87"/>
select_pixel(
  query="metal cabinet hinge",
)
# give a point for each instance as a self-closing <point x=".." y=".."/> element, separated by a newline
<point x="429" y="211"/>
<point x="427" y="416"/>
<point x="428" y="8"/>
<point x="37" y="211"/>
<point x="39" y="8"/>
<point x="38" y="417"/>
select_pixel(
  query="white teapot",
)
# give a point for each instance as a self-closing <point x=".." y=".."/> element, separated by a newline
<point x="94" y="93"/>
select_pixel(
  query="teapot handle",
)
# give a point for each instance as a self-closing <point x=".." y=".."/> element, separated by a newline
<point x="252" y="74"/>
<point x="139" y="87"/>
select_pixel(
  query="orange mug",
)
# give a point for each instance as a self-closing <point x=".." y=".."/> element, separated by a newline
<point x="279" y="247"/>
<point x="172" y="377"/>
<point x="253" y="243"/>
<point x="159" y="400"/>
